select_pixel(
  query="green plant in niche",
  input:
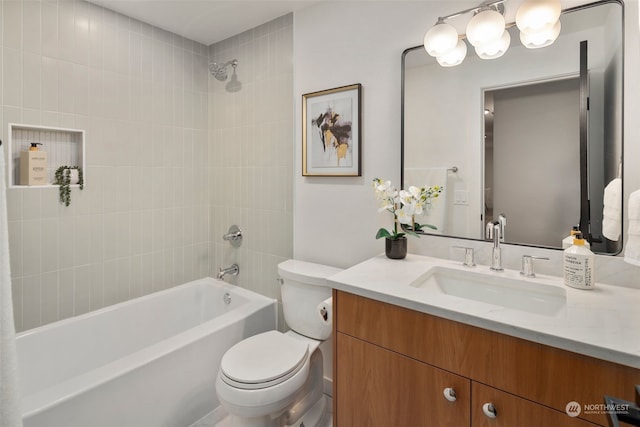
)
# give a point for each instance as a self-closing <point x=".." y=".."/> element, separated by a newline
<point x="63" y="179"/>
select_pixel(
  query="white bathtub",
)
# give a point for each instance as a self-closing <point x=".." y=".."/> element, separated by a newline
<point x="148" y="362"/>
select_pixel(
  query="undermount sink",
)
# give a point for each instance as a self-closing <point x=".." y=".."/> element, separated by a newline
<point x="508" y="292"/>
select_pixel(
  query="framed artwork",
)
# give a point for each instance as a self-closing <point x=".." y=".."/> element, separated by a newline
<point x="331" y="132"/>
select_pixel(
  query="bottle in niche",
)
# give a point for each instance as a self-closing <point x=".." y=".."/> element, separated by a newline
<point x="579" y="265"/>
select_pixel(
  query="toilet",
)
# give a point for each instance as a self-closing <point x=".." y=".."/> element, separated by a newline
<point x="275" y="379"/>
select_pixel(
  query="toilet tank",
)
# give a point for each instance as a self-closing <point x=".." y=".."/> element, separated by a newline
<point x="303" y="288"/>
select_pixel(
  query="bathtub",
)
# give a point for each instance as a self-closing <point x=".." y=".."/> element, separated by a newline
<point x="147" y="362"/>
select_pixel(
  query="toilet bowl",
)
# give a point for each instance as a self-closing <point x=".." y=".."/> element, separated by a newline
<point x="275" y="379"/>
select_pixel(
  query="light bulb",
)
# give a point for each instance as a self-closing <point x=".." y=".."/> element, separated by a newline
<point x="485" y="27"/>
<point x="440" y="39"/>
<point x="540" y="39"/>
<point x="496" y="48"/>
<point x="534" y="16"/>
<point x="455" y="56"/>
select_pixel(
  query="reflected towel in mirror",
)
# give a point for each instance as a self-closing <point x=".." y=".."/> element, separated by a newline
<point x="612" y="210"/>
<point x="632" y="248"/>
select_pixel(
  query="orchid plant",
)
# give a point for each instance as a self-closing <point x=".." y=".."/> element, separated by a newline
<point x="404" y="205"/>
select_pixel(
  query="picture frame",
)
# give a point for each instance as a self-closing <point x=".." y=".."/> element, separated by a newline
<point x="331" y="138"/>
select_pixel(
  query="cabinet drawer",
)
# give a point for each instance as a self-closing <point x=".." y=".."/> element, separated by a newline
<point x="512" y="411"/>
<point x="537" y="372"/>
<point x="376" y="387"/>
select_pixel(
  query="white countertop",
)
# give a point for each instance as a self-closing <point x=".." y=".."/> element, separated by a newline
<point x="602" y="323"/>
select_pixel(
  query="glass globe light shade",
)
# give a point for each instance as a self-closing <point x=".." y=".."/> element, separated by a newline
<point x="542" y="38"/>
<point x="496" y="48"/>
<point x="453" y="57"/>
<point x="534" y="16"/>
<point x="485" y="27"/>
<point x="440" y="39"/>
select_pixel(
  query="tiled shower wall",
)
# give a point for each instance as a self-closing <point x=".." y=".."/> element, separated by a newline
<point x="251" y="154"/>
<point x="141" y="224"/>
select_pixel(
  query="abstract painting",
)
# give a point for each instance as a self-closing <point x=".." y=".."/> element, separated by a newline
<point x="331" y="132"/>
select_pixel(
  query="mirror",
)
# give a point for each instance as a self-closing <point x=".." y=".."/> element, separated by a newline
<point x="529" y="135"/>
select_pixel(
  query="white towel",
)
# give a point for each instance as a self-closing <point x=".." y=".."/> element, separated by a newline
<point x="10" y="413"/>
<point x="612" y="211"/>
<point x="436" y="215"/>
<point x="632" y="247"/>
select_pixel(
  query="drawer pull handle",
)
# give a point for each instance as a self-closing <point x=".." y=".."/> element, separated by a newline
<point x="449" y="394"/>
<point x="489" y="410"/>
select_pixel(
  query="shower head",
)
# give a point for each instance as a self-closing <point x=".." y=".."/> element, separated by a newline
<point x="219" y="71"/>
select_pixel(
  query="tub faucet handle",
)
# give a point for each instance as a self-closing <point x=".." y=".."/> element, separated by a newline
<point x="234" y="236"/>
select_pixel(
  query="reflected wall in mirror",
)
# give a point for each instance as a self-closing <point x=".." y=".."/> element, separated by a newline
<point x="529" y="134"/>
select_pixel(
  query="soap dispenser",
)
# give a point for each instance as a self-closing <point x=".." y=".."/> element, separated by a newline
<point x="579" y="265"/>
<point x="568" y="241"/>
<point x="33" y="166"/>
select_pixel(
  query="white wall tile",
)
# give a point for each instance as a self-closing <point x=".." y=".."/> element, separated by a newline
<point x="49" y="30"/>
<point x="109" y="46"/>
<point x="109" y="289"/>
<point x="31" y="27"/>
<point x="97" y="286"/>
<point x="95" y="36"/>
<point x="145" y="99"/>
<point x="31" y="303"/>
<point x="12" y="24"/>
<point x="31" y="240"/>
<point x="49" y="245"/>
<point x="123" y="279"/>
<point x="80" y="92"/>
<point x="66" y="87"/>
<point x="16" y="244"/>
<point x="16" y="293"/>
<point x="82" y="290"/>
<point x="66" y="31"/>
<point x="31" y="80"/>
<point x="82" y="18"/>
<point x="245" y="143"/>
<point x="66" y="242"/>
<point x="12" y="77"/>
<point x="49" y="96"/>
<point x="82" y="237"/>
<point x="66" y="293"/>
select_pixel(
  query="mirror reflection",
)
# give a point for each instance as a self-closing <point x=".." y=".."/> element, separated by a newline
<point x="535" y="135"/>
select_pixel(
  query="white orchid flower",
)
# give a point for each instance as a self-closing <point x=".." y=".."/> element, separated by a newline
<point x="404" y="217"/>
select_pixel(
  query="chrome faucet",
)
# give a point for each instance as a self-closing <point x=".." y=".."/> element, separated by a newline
<point x="495" y="231"/>
<point x="233" y="234"/>
<point x="234" y="270"/>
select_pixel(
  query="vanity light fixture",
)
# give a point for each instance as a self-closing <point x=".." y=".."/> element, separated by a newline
<point x="487" y="31"/>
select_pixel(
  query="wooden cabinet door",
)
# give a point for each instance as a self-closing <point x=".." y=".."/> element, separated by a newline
<point x="378" y="387"/>
<point x="514" y="411"/>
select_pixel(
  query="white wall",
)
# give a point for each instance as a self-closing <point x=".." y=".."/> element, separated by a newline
<point x="336" y="44"/>
<point x="335" y="219"/>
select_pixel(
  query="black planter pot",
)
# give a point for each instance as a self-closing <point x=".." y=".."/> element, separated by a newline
<point x="396" y="248"/>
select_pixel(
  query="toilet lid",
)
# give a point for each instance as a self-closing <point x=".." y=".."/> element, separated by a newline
<point x="263" y="360"/>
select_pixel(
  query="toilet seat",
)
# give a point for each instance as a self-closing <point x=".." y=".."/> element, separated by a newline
<point x="263" y="360"/>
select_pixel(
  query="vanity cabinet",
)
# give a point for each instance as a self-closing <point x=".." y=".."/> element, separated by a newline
<point x="392" y="366"/>
<point x="379" y="387"/>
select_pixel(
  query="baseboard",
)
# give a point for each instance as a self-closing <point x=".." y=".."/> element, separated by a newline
<point x="328" y="386"/>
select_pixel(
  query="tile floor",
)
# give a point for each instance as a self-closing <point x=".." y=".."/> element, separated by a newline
<point x="219" y="418"/>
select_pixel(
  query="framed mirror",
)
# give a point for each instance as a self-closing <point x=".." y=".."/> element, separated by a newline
<point x="535" y="135"/>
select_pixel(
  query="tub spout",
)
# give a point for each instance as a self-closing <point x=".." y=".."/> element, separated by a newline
<point x="233" y="270"/>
